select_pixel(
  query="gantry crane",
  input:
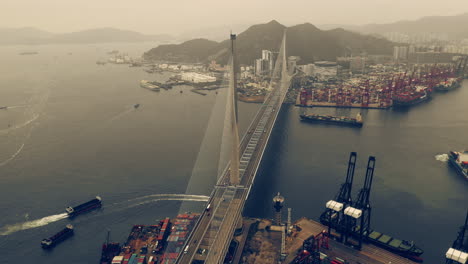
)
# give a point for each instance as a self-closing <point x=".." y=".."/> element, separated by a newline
<point x="358" y="216"/>
<point x="333" y="215"/>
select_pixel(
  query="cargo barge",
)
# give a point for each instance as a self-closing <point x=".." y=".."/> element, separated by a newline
<point x="85" y="207"/>
<point x="52" y="241"/>
<point x="150" y="86"/>
<point x="161" y="243"/>
<point x="358" y="122"/>
<point x="403" y="248"/>
<point x="459" y="160"/>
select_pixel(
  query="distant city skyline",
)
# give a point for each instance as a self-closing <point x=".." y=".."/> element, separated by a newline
<point x="176" y="17"/>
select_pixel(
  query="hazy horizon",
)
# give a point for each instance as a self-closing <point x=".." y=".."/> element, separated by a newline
<point x="178" y="17"/>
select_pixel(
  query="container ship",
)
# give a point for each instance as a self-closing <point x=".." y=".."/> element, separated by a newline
<point x="52" y="241"/>
<point x="85" y="207"/>
<point x="161" y="243"/>
<point x="420" y="95"/>
<point x="333" y="119"/>
<point x="459" y="161"/>
<point x="404" y="248"/>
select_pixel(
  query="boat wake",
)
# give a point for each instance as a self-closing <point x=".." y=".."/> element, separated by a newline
<point x="3" y="163"/>
<point x="120" y="115"/>
<point x="9" y="229"/>
<point x="7" y="130"/>
<point x="442" y="157"/>
<point x="17" y="106"/>
<point x="172" y="195"/>
<point x="205" y="199"/>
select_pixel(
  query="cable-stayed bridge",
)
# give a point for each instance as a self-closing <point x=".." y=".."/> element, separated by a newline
<point x="214" y="230"/>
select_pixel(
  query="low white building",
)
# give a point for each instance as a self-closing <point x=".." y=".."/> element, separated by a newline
<point x="197" y="77"/>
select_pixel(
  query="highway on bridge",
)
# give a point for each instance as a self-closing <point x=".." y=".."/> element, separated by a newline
<point x="212" y="235"/>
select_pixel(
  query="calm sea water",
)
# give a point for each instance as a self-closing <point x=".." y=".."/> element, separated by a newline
<point x="71" y="132"/>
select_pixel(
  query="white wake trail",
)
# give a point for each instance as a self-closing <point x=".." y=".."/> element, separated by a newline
<point x="442" y="157"/>
<point x="3" y="163"/>
<point x="170" y="199"/>
<point x="9" y="229"/>
<point x="7" y="130"/>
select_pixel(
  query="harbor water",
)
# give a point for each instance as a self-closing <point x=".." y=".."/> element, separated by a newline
<point x="71" y="132"/>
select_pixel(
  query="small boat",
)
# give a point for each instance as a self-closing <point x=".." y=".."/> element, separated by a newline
<point x="85" y="207"/>
<point x="136" y="106"/>
<point x="3" y="107"/>
<point x="52" y="241"/>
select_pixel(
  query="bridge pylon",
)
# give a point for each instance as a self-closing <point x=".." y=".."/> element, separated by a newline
<point x="234" y="170"/>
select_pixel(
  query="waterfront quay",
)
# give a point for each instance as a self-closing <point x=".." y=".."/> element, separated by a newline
<point x="260" y="242"/>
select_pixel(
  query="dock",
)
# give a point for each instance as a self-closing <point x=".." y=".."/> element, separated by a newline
<point x="369" y="254"/>
<point x="310" y="103"/>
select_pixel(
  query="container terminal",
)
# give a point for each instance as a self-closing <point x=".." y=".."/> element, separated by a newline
<point x="381" y="90"/>
<point x="149" y="244"/>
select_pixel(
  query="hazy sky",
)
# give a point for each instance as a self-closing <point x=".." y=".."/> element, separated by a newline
<point x="176" y="16"/>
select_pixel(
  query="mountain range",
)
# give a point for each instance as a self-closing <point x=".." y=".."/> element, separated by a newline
<point x="453" y="26"/>
<point x="304" y="40"/>
<point x="30" y="35"/>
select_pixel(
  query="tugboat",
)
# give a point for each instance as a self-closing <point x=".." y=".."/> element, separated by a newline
<point x="459" y="161"/>
<point x="333" y="119"/>
<point x="404" y="248"/>
<point x="85" y="207"/>
<point x="52" y="241"/>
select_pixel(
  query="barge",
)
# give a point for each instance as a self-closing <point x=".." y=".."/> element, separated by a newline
<point x="85" y="207"/>
<point x="52" y="241"/>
